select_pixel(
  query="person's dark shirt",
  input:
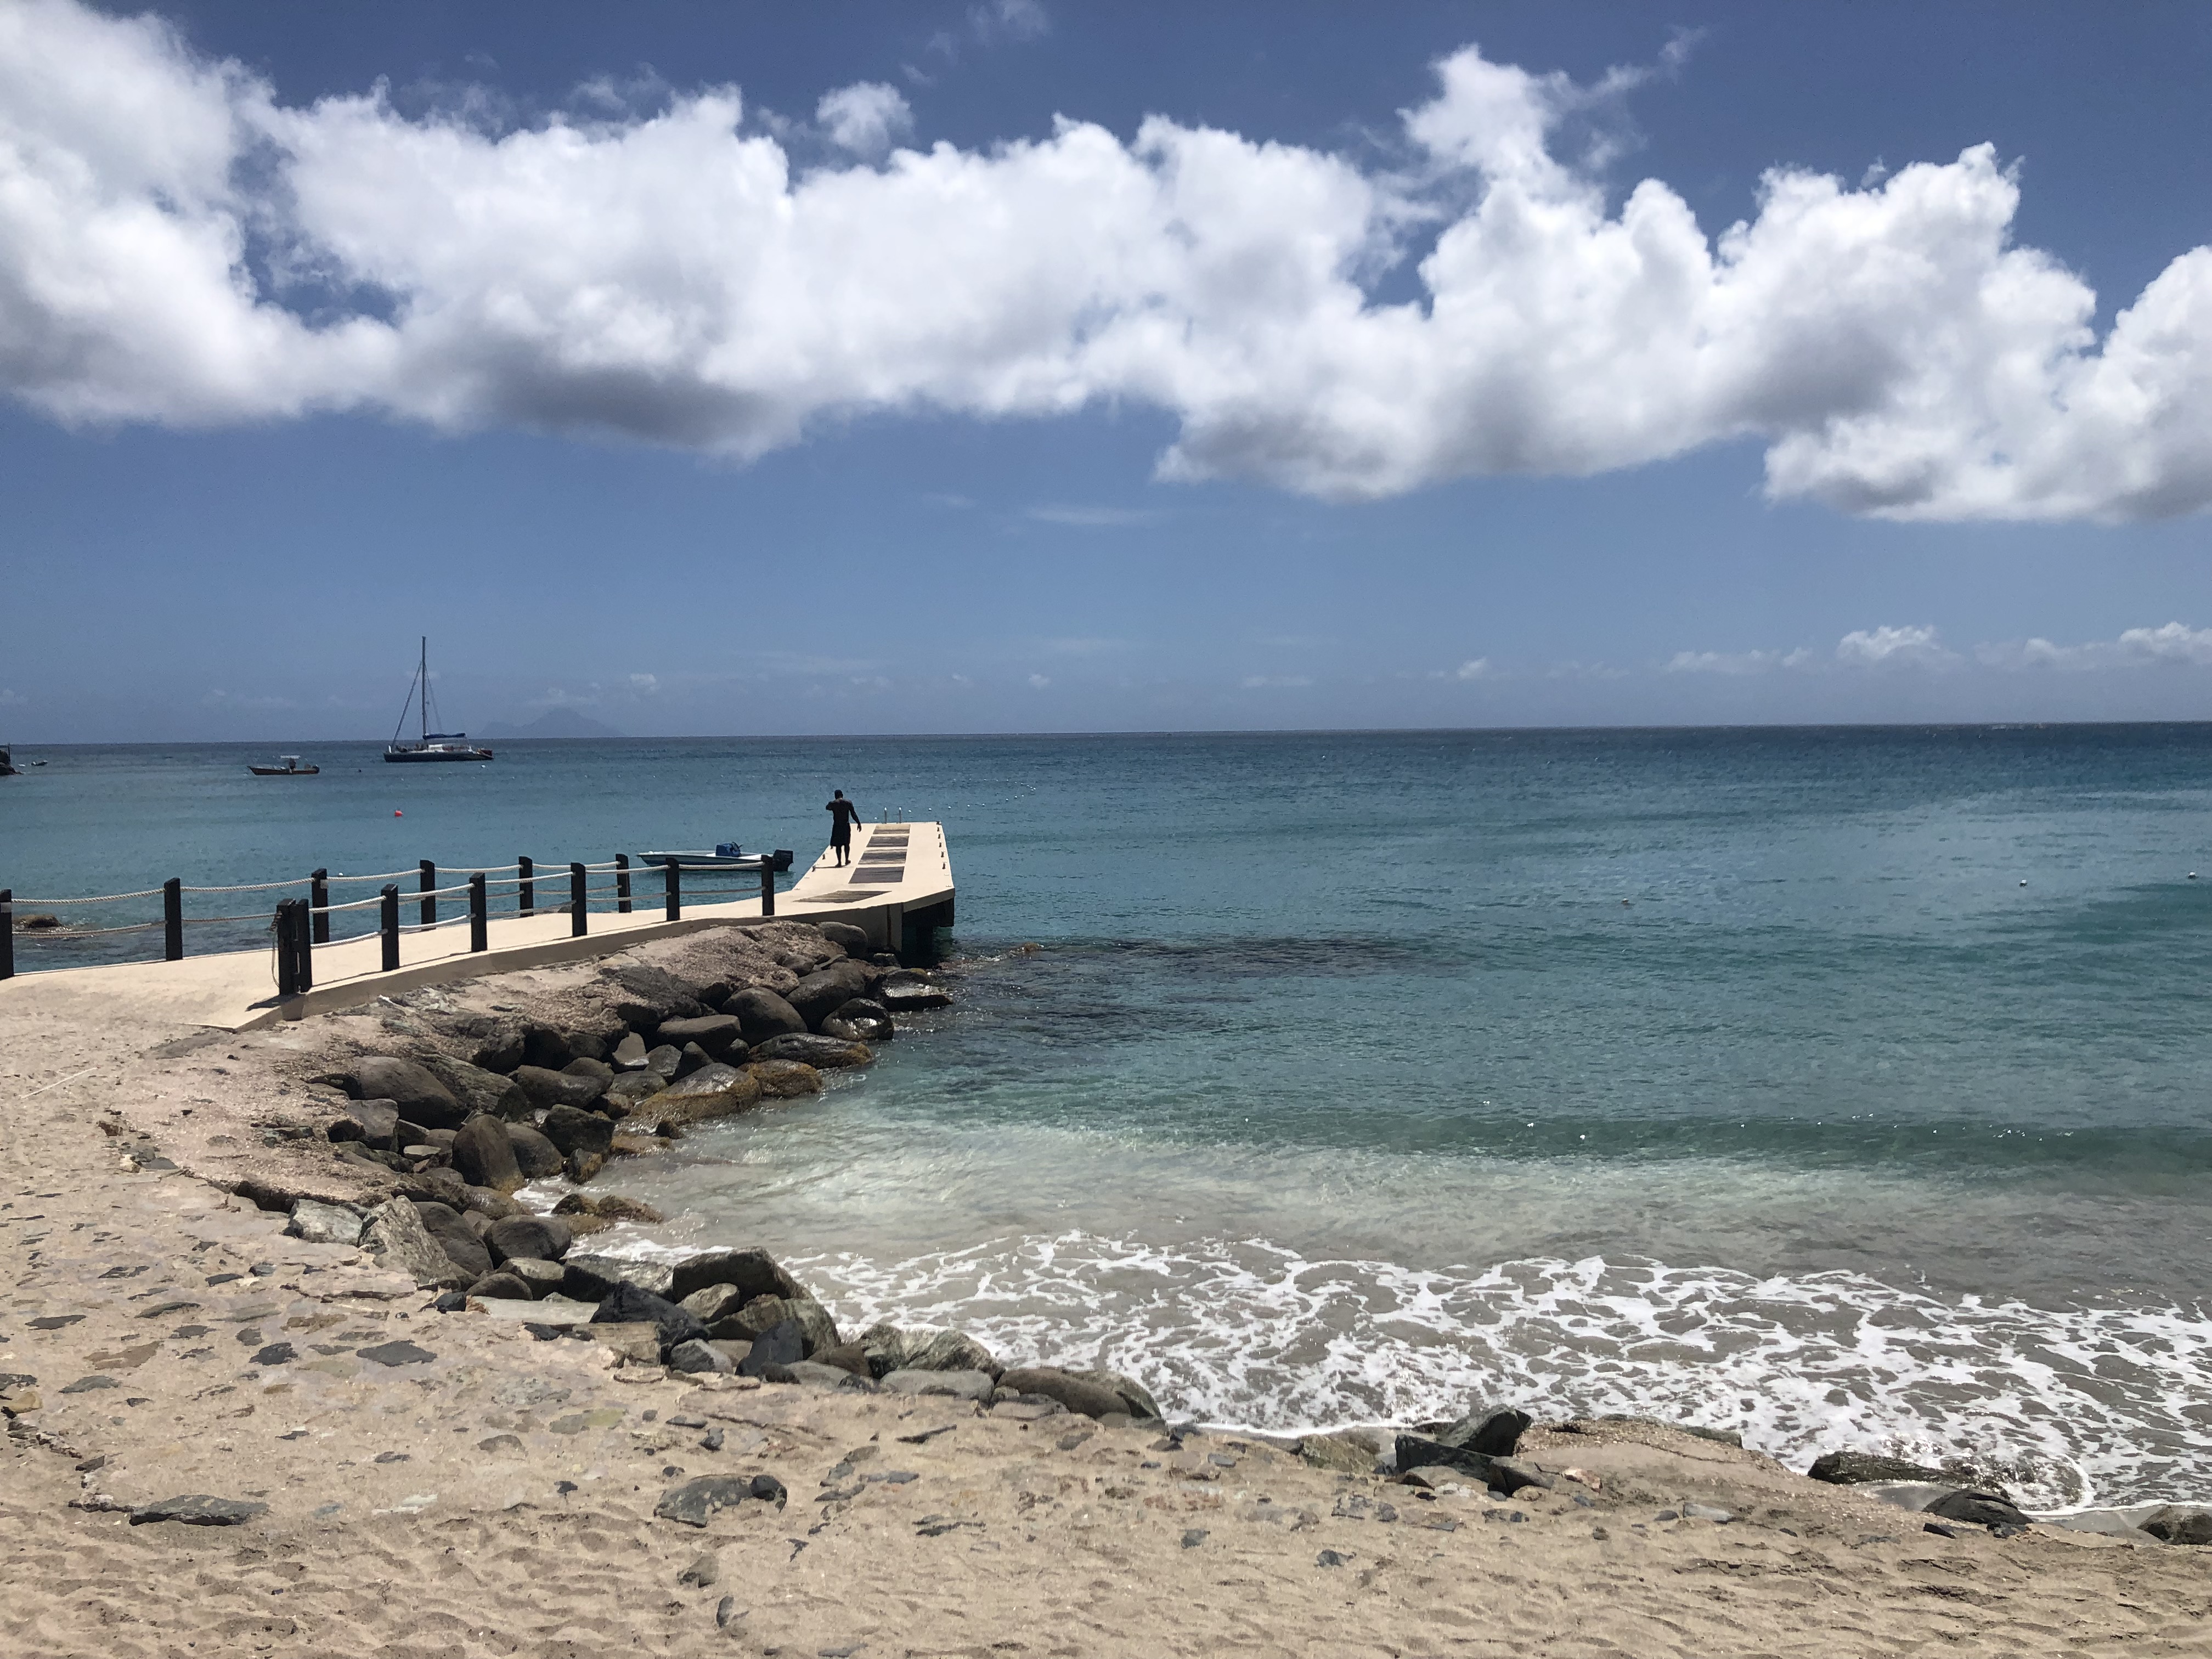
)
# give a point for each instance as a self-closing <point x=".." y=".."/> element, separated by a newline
<point x="843" y="815"/>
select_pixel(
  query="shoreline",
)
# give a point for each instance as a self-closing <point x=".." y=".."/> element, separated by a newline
<point x="190" y="1407"/>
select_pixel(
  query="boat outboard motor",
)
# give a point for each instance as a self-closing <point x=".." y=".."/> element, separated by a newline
<point x="782" y="859"/>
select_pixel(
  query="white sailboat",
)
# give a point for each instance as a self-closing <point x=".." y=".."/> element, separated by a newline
<point x="432" y="745"/>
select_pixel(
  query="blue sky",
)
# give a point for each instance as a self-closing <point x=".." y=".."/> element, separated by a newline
<point x="713" y="368"/>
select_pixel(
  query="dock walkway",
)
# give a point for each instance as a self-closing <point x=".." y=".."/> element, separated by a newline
<point x="899" y="883"/>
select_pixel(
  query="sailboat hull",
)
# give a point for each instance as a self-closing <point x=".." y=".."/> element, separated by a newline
<point x="407" y="752"/>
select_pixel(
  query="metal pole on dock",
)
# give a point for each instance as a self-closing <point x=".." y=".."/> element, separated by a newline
<point x="430" y="887"/>
<point x="526" y="894"/>
<point x="479" y="914"/>
<point x="172" y="920"/>
<point x="318" y="904"/>
<point x="768" y="887"/>
<point x="294" y="973"/>
<point x="7" y="933"/>
<point x="621" y="884"/>
<point x="303" y="945"/>
<point x="578" y="899"/>
<point x="389" y="918"/>
<point x="673" y="875"/>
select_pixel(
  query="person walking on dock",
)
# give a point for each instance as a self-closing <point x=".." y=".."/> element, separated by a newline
<point x="843" y="815"/>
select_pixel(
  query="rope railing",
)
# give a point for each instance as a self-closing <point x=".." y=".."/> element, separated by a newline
<point x="578" y="890"/>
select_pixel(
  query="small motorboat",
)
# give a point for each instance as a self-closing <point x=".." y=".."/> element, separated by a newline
<point x="290" y="768"/>
<point x="727" y="855"/>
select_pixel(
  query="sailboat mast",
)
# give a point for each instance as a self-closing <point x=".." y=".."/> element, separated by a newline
<point x="423" y="670"/>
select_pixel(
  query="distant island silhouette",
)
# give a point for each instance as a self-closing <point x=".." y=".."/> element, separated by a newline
<point x="555" y="723"/>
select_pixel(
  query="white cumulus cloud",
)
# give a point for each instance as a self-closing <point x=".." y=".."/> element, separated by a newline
<point x="1884" y="646"/>
<point x="866" y="118"/>
<point x="1737" y="662"/>
<point x="2175" y="643"/>
<point x="179" y="245"/>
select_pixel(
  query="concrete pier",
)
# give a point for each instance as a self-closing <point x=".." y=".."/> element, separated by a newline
<point x="897" y="889"/>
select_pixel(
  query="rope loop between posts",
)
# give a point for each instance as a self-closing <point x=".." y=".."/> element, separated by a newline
<point x="389" y="875"/>
<point x="97" y="898"/>
<point x="251" y="887"/>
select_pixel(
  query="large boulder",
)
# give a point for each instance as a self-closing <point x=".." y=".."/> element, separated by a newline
<point x="501" y="1287"/>
<point x="629" y="1054"/>
<point x="822" y="993"/>
<point x="393" y="1232"/>
<point x="860" y="1021"/>
<point x="536" y="1237"/>
<point x="545" y="1048"/>
<point x="1976" y="1509"/>
<point x="784" y="1079"/>
<point x="2171" y="1523"/>
<point x="905" y="993"/>
<point x="534" y="1155"/>
<point x="641" y="995"/>
<point x="588" y="1278"/>
<point x="1852" y="1468"/>
<point x="478" y="1089"/>
<point x="762" y="1014"/>
<point x="1079" y="1394"/>
<point x="712" y="1091"/>
<point x="977" y="1386"/>
<point x="752" y="1271"/>
<point x="485" y="1156"/>
<point x="571" y="1130"/>
<point x="597" y="1070"/>
<point x="624" y="1093"/>
<point x="318" y="1223"/>
<point x="720" y="1036"/>
<point x="1499" y="1474"/>
<point x="499" y="1049"/>
<point x="377" y="1121"/>
<point x="765" y="1313"/>
<point x="414" y="1090"/>
<point x="1493" y="1430"/>
<point x="1136" y="1398"/>
<point x="551" y="1089"/>
<point x="631" y="1304"/>
<point x="822" y="1053"/>
<point x="543" y="1277"/>
<point x="853" y="941"/>
<point x="889" y="1349"/>
<point x="456" y="1238"/>
<point x="774" y="1351"/>
<point x="714" y="1304"/>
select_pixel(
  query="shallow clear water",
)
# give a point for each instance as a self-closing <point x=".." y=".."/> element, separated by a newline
<point x="1733" y="1075"/>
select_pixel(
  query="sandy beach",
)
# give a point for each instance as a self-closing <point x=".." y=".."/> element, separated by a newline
<point x="402" y="1480"/>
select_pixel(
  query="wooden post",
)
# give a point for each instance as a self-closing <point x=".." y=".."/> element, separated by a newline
<point x="303" y="940"/>
<point x="579" y="914"/>
<point x="7" y="933"/>
<point x="526" y="894"/>
<point x="172" y="920"/>
<point x="318" y="905"/>
<point x="479" y="914"/>
<point x="768" y="886"/>
<point x="390" y="927"/>
<point x="621" y="884"/>
<point x="429" y="886"/>
<point x="294" y="972"/>
<point x="674" y="877"/>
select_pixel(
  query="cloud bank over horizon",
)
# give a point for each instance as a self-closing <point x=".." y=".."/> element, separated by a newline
<point x="179" y="246"/>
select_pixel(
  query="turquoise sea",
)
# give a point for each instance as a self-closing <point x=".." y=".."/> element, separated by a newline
<point x="1844" y="1086"/>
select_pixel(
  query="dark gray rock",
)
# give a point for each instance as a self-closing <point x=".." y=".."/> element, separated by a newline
<point x="819" y="995"/>
<point x="783" y="1346"/>
<point x="572" y="1129"/>
<point x="1851" y="1468"/>
<point x="594" y="1070"/>
<point x="395" y="1234"/>
<point x="500" y="1049"/>
<point x="540" y="1237"/>
<point x="549" y="1089"/>
<point x="1499" y="1474"/>
<point x="91" y="1384"/>
<point x="545" y="1048"/>
<point x="766" y="1312"/>
<point x="275" y="1353"/>
<point x="629" y="1304"/>
<point x="396" y="1353"/>
<point x="713" y="1304"/>
<point x="641" y="995"/>
<point x="479" y="1090"/>
<point x="630" y="1091"/>
<point x="2174" y="1524"/>
<point x="698" y="1356"/>
<point x="377" y="1120"/>
<point x="762" y="1014"/>
<point x="414" y="1091"/>
<point x="1976" y="1509"/>
<point x="719" y="1036"/>
<point x="958" y="1385"/>
<point x="198" y="1510"/>
<point x="695" y="1502"/>
<point x="860" y="1021"/>
<point x="710" y="1091"/>
<point x="1077" y="1393"/>
<point x="492" y="1205"/>
<point x="454" y="1236"/>
<point x="484" y="1154"/>
<point x="590" y="1278"/>
<point x="752" y="1271"/>
<point x="501" y="1287"/>
<point x="910" y="993"/>
<point x="543" y="1277"/>
<point x="822" y="1053"/>
<point x="853" y="941"/>
<point x="664" y="1061"/>
<point x="629" y="1054"/>
<point x="318" y="1223"/>
<point x="784" y="1079"/>
<point x="534" y="1155"/>
<point x="703" y="1570"/>
<point x="1495" y="1431"/>
<point x="689" y="1059"/>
